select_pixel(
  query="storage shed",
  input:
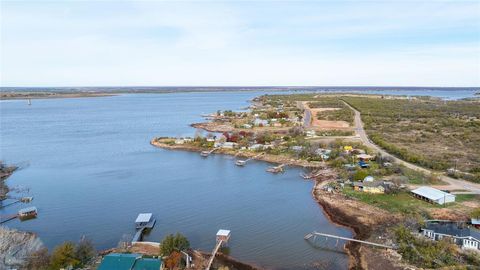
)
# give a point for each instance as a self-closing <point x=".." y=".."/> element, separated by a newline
<point x="433" y="195"/>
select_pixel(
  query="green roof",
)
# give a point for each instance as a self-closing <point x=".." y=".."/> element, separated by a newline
<point x="147" y="264"/>
<point x="117" y="261"/>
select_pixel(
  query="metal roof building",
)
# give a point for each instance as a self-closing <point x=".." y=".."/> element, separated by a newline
<point x="433" y="195"/>
<point x="133" y="261"/>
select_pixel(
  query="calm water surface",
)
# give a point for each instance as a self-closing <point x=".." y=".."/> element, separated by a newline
<point x="91" y="169"/>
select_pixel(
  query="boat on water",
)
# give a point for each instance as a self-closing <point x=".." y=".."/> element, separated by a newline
<point x="27" y="213"/>
<point x="204" y="153"/>
<point x="240" y="162"/>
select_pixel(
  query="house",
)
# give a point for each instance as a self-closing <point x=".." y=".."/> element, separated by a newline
<point x="297" y="148"/>
<point x="310" y="133"/>
<point x="364" y="157"/>
<point x="368" y="179"/>
<point x="476" y="222"/>
<point x="458" y="233"/>
<point x="131" y="261"/>
<point x="211" y="139"/>
<point x="247" y="126"/>
<point x="229" y="145"/>
<point x="370" y="187"/>
<point x="433" y="195"/>
<point x="179" y="141"/>
<point x="256" y="146"/>
<point x="323" y="153"/>
<point x="260" y="122"/>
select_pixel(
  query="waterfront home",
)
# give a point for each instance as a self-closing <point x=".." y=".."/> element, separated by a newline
<point x="132" y="261"/>
<point x="179" y="141"/>
<point x="297" y="148"/>
<point x="433" y="195"/>
<point x="476" y="222"/>
<point x="371" y="187"/>
<point x="229" y="145"/>
<point x="459" y="234"/>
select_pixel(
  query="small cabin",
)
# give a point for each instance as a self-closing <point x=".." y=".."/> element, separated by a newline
<point x="223" y="235"/>
<point x="145" y="220"/>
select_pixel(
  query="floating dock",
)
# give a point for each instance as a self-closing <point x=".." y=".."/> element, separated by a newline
<point x="144" y="221"/>
<point x="276" y="169"/>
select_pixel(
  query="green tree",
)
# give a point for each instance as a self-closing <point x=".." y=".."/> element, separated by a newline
<point x="172" y="243"/>
<point x="475" y="213"/>
<point x="85" y="251"/>
<point x="63" y="256"/>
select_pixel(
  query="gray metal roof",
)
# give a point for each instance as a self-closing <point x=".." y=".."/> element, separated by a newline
<point x="143" y="217"/>
<point x="431" y="193"/>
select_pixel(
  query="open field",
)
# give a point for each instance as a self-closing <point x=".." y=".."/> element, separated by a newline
<point x="430" y="133"/>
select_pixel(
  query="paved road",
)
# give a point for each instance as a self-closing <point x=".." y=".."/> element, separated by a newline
<point x="454" y="183"/>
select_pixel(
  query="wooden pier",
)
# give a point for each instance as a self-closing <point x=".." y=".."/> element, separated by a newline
<point x="244" y="162"/>
<point x="222" y="238"/>
<point x="315" y="234"/>
<point x="206" y="153"/>
<point x="276" y="169"/>
<point x="4" y="219"/>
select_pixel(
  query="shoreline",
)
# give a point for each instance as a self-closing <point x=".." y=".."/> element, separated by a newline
<point x="278" y="159"/>
<point x="334" y="213"/>
<point x="50" y="95"/>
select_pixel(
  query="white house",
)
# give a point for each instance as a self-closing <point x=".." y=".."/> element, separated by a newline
<point x="433" y="195"/>
<point x="229" y="145"/>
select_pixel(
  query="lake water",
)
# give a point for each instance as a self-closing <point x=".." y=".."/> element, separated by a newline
<point x="90" y="167"/>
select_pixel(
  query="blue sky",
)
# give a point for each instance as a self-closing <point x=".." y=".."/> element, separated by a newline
<point x="238" y="43"/>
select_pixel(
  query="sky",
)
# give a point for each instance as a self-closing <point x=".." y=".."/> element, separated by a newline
<point x="240" y="43"/>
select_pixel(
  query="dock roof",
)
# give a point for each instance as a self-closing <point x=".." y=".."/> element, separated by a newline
<point x="143" y="217"/>
<point x="223" y="233"/>
<point x="431" y="193"/>
<point x="27" y="210"/>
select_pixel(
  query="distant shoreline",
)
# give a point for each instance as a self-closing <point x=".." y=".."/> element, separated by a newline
<point x="49" y="95"/>
<point x="16" y="93"/>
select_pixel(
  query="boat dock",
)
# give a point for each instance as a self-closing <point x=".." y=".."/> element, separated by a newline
<point x="222" y="238"/>
<point x="244" y="162"/>
<point x="206" y="153"/>
<point x="276" y="169"/>
<point x="315" y="234"/>
<point x="144" y="221"/>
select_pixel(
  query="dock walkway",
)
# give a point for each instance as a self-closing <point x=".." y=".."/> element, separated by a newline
<point x="315" y="234"/>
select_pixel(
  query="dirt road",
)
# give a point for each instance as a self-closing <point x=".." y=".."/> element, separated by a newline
<point x="455" y="184"/>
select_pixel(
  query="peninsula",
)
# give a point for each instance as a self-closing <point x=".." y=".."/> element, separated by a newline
<point x="363" y="179"/>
